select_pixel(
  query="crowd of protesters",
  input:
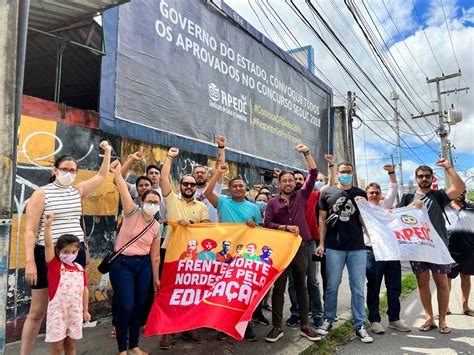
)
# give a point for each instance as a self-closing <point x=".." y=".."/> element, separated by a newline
<point x="321" y="210"/>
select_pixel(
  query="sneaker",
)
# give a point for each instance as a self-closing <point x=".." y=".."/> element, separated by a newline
<point x="326" y="326"/>
<point x="249" y="334"/>
<point x="377" y="328"/>
<point x="399" y="325"/>
<point x="221" y="336"/>
<point x="260" y="319"/>
<point x="309" y="333"/>
<point x="321" y="331"/>
<point x="274" y="335"/>
<point x="293" y="321"/>
<point x="362" y="334"/>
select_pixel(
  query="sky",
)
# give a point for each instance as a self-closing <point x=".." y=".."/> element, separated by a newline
<point x="413" y="38"/>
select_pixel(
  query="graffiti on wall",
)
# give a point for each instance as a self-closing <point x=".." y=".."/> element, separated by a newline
<point x="41" y="141"/>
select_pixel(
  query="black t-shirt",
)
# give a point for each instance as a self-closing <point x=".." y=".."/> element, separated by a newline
<point x="435" y="201"/>
<point x="347" y="233"/>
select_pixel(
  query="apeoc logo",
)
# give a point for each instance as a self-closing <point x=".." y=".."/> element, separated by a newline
<point x="407" y="219"/>
<point x="214" y="93"/>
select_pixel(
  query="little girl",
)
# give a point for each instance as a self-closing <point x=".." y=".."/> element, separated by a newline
<point x="68" y="293"/>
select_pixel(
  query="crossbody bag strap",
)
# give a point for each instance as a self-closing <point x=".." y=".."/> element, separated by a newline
<point x="130" y="242"/>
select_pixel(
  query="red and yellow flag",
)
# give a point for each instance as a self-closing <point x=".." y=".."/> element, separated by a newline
<point x="216" y="274"/>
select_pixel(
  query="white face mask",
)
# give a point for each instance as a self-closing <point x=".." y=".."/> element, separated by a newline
<point x="151" y="208"/>
<point x="65" y="179"/>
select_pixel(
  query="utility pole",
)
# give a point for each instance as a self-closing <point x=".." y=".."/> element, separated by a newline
<point x="442" y="132"/>
<point x="395" y="97"/>
<point x="398" y="194"/>
<point x="350" y="134"/>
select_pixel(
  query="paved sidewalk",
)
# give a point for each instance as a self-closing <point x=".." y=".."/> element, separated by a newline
<point x="97" y="341"/>
<point x="460" y="341"/>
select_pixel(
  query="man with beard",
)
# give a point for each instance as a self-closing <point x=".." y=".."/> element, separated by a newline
<point x="435" y="201"/>
<point x="201" y="175"/>
<point x="312" y="280"/>
<point x="343" y="240"/>
<point x="286" y="212"/>
<point x="235" y="209"/>
<point x="185" y="209"/>
<point x="461" y="246"/>
<point x="191" y="252"/>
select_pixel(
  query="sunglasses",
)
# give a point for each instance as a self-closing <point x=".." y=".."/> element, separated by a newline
<point x="374" y="193"/>
<point x="424" y="176"/>
<point x="187" y="184"/>
<point x="66" y="170"/>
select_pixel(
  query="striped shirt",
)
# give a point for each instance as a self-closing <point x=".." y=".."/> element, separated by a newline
<point x="65" y="203"/>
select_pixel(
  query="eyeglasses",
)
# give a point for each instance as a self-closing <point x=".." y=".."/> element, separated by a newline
<point x="424" y="176"/>
<point x="66" y="170"/>
<point x="187" y="184"/>
<point x="374" y="193"/>
<point x="346" y="172"/>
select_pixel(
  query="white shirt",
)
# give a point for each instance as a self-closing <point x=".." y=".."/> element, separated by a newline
<point x="386" y="203"/>
<point x="199" y="195"/>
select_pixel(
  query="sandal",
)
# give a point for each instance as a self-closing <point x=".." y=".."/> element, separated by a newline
<point x="427" y="327"/>
<point x="444" y="330"/>
<point x="112" y="333"/>
<point x="469" y="313"/>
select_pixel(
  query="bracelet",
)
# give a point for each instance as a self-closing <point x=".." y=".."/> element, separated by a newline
<point x="221" y="146"/>
<point x="169" y="156"/>
<point x="391" y="172"/>
<point x="331" y="165"/>
<point x="307" y="153"/>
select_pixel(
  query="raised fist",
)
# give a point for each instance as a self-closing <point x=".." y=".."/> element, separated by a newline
<point x="389" y="167"/>
<point x="329" y="158"/>
<point x="105" y="146"/>
<point x="220" y="140"/>
<point x="301" y="148"/>
<point x="173" y="152"/>
<point x="48" y="218"/>
<point x="444" y="163"/>
<point x="115" y="166"/>
<point x="137" y="156"/>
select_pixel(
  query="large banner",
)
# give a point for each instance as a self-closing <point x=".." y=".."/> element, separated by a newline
<point x="216" y="274"/>
<point x="184" y="68"/>
<point x="403" y="234"/>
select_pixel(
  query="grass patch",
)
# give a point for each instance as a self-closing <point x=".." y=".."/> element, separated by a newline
<point x="343" y="334"/>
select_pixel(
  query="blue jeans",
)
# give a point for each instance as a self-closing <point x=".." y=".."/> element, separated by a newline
<point x="356" y="262"/>
<point x="130" y="278"/>
<point x="375" y="271"/>
<point x="315" y="304"/>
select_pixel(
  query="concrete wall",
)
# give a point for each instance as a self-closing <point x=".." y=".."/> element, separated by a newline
<point x="43" y="136"/>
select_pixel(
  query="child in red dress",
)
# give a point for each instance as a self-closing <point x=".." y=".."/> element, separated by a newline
<point x="68" y="292"/>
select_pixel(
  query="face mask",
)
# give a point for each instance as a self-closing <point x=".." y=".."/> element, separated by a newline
<point x="345" y="179"/>
<point x="151" y="208"/>
<point x="67" y="258"/>
<point x="65" y="179"/>
<point x="261" y="205"/>
<point x="318" y="185"/>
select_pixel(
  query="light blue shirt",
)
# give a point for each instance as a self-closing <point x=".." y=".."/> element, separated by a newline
<point x="237" y="212"/>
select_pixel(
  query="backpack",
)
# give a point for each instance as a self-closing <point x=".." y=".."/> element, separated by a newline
<point x="408" y="198"/>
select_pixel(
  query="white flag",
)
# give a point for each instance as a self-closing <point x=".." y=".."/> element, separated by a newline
<point x="403" y="234"/>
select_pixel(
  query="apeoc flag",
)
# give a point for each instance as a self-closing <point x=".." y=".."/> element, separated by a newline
<point x="403" y="234"/>
<point x="215" y="275"/>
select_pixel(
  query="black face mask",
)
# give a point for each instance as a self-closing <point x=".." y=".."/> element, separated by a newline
<point x="298" y="186"/>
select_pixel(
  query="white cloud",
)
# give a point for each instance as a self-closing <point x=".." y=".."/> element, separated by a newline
<point x="420" y="92"/>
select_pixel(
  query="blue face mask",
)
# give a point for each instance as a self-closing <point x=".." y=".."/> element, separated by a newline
<point x="318" y="185"/>
<point x="345" y="179"/>
<point x="261" y="205"/>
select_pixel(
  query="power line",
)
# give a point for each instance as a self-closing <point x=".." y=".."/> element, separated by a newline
<point x="449" y="34"/>
<point x="426" y="36"/>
